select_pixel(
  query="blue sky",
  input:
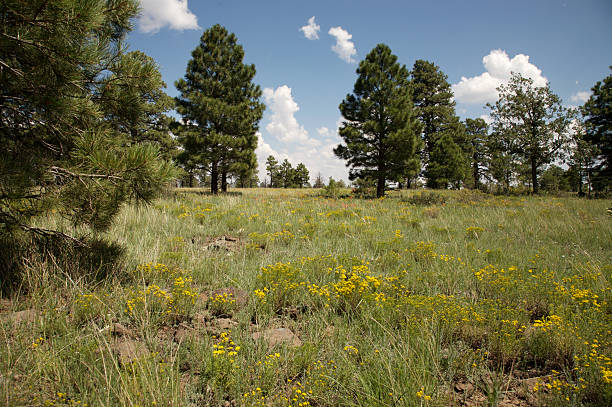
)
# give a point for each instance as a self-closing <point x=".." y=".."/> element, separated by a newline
<point x="475" y="43"/>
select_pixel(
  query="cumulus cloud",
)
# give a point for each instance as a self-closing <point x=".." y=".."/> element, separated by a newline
<point x="175" y="14"/>
<point x="498" y="68"/>
<point x="293" y="141"/>
<point x="344" y="47"/>
<point x="581" y="97"/>
<point x="311" y="30"/>
<point x="283" y="124"/>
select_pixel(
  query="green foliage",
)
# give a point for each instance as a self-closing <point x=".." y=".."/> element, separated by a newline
<point x="477" y="137"/>
<point x="380" y="128"/>
<point x="530" y="124"/>
<point x="68" y="141"/>
<point x="598" y="120"/>
<point x="220" y="108"/>
<point x="447" y="164"/>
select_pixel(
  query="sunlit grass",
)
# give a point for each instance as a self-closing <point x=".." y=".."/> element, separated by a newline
<point x="437" y="299"/>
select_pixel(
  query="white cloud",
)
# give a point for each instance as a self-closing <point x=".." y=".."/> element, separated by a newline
<point x="581" y="97"/>
<point x="283" y="124"/>
<point x="498" y="65"/>
<point x="344" y="47"/>
<point x="294" y="142"/>
<point x="311" y="30"/>
<point x="157" y="14"/>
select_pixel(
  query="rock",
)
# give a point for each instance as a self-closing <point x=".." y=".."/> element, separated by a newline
<point x="277" y="336"/>
<point x="122" y="331"/>
<point x="225" y="323"/>
<point x="464" y="387"/>
<point x="129" y="350"/>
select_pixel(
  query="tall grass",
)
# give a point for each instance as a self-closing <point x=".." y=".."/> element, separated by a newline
<point x="453" y="298"/>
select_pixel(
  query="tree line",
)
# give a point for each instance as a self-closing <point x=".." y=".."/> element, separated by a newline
<point x="401" y="126"/>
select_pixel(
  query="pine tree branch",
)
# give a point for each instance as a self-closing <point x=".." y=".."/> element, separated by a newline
<point x="62" y="171"/>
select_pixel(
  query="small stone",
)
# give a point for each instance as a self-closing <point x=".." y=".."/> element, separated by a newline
<point x="225" y="323"/>
<point x="120" y="330"/>
<point x="129" y="350"/>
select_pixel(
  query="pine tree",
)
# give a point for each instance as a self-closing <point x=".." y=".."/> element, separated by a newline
<point x="535" y="119"/>
<point x="380" y="126"/>
<point x="598" y="120"/>
<point x="477" y="132"/>
<point x="63" y="147"/>
<point x="319" y="182"/>
<point x="272" y="169"/>
<point x="134" y="103"/>
<point x="433" y="99"/>
<point x="286" y="174"/>
<point x="447" y="165"/>
<point x="301" y="176"/>
<point x="220" y="105"/>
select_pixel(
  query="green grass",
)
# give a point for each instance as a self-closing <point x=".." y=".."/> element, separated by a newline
<point x="448" y="298"/>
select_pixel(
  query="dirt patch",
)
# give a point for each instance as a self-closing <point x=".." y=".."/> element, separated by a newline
<point x="278" y="336"/>
<point x="226" y="243"/>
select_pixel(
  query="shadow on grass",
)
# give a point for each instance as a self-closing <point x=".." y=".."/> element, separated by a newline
<point x="22" y="255"/>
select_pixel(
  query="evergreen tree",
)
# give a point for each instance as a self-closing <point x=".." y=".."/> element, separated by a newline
<point x="134" y="103"/>
<point x="477" y="132"/>
<point x="319" y="182"/>
<point x="598" y="119"/>
<point x="582" y="158"/>
<point x="433" y="99"/>
<point x="272" y="169"/>
<point x="64" y="145"/>
<point x="286" y="174"/>
<point x="220" y="105"/>
<point x="380" y="127"/>
<point x="447" y="165"/>
<point x="535" y="119"/>
<point x="301" y="176"/>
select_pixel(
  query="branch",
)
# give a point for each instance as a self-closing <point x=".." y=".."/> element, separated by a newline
<point x="50" y="233"/>
<point x="60" y="171"/>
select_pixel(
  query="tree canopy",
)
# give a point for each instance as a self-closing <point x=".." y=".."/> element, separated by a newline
<point x="68" y="141"/>
<point x="598" y="120"/>
<point x="534" y="119"/>
<point x="380" y="127"/>
<point x="220" y="107"/>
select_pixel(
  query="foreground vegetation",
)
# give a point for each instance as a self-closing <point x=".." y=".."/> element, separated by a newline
<point x="432" y="298"/>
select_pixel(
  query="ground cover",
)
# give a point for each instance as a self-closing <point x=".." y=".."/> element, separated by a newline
<point x="284" y="297"/>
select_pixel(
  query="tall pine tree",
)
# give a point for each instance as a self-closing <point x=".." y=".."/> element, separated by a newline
<point x="220" y="106"/>
<point x="477" y="132"/>
<point x="598" y="120"/>
<point x="65" y="146"/>
<point x="380" y="126"/>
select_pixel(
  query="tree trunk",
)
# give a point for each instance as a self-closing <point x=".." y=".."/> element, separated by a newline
<point x="476" y="177"/>
<point x="190" y="179"/>
<point x="224" y="181"/>
<point x="380" y="186"/>
<point x="534" y="177"/>
<point x="214" y="179"/>
<point x="408" y="182"/>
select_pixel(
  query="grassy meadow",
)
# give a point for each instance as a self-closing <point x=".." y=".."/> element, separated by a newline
<point x="287" y="298"/>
